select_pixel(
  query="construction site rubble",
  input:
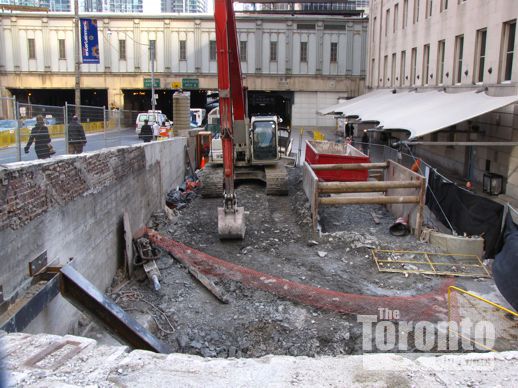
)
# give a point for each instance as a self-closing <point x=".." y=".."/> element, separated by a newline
<point x="183" y="194"/>
<point x="279" y="290"/>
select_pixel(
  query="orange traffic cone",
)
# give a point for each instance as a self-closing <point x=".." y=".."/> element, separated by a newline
<point x="202" y="162"/>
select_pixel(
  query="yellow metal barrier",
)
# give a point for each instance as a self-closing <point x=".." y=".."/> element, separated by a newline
<point x="511" y="325"/>
<point x="318" y="136"/>
<point x="56" y="131"/>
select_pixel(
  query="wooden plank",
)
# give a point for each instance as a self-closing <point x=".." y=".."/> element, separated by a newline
<point x="208" y="284"/>
<point x="420" y="211"/>
<point x="219" y="293"/>
<point x="351" y="166"/>
<point x="349" y="187"/>
<point x="128" y="245"/>
<point x="380" y="200"/>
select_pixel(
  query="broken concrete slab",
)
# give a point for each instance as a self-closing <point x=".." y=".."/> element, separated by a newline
<point x="458" y="244"/>
<point x="115" y="366"/>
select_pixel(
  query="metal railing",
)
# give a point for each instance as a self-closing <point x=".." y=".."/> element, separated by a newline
<point x="103" y="127"/>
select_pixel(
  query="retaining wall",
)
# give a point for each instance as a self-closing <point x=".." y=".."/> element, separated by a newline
<point x="72" y="207"/>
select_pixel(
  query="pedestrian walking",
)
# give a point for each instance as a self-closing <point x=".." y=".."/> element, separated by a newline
<point x="76" y="137"/>
<point x="146" y="132"/>
<point x="156" y="130"/>
<point x="365" y="142"/>
<point x="41" y="138"/>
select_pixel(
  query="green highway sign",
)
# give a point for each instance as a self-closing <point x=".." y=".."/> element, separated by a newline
<point x="190" y="83"/>
<point x="147" y="82"/>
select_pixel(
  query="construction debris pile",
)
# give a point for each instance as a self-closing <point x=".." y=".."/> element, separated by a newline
<point x="183" y="194"/>
<point x="279" y="290"/>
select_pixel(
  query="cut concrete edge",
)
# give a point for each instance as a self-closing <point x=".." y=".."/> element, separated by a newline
<point x="117" y="365"/>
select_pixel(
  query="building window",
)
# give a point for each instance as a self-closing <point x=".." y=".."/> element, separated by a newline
<point x="426" y="63"/>
<point x="508" y="50"/>
<point x="122" y="50"/>
<point x="62" y="49"/>
<point x="212" y="50"/>
<point x="444" y="5"/>
<point x="183" y="50"/>
<point x="373" y="66"/>
<point x="429" y="8"/>
<point x="273" y="51"/>
<point x="396" y="16"/>
<point x="416" y="10"/>
<point x="405" y="13"/>
<point x="459" y="52"/>
<point x="152" y="50"/>
<point x="373" y="29"/>
<point x="242" y="51"/>
<point x="31" y="46"/>
<point x="480" y="55"/>
<point x="303" y="51"/>
<point x="440" y="61"/>
<point x="385" y="68"/>
<point x="387" y="21"/>
<point x="393" y="70"/>
<point x="402" y="69"/>
<point x="334" y="52"/>
<point x="413" y="66"/>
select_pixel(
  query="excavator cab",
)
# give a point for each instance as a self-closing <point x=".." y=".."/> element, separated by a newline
<point x="264" y="132"/>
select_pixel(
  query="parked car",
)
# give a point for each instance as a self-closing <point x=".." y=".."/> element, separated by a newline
<point x="151" y="117"/>
<point x="8" y="125"/>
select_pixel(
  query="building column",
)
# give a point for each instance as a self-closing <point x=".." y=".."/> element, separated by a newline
<point x="258" y="46"/>
<point x="349" y="55"/>
<point x="46" y="44"/>
<point x="15" y="35"/>
<point x="289" y="47"/>
<point x="136" y="44"/>
<point x="2" y="46"/>
<point x="167" y="44"/>
<point x="320" y="47"/>
<point x="107" y="46"/>
<point x="197" y="45"/>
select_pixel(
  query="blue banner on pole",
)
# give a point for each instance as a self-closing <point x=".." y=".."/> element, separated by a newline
<point x="89" y="41"/>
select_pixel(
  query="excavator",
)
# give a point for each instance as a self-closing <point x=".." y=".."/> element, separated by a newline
<point x="249" y="150"/>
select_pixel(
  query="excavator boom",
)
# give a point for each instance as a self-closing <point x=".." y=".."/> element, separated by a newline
<point x="231" y="222"/>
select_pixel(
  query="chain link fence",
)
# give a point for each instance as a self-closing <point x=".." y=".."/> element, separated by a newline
<point x="103" y="128"/>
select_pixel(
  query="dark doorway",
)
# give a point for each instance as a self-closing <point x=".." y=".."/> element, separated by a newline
<point x="274" y="103"/>
<point x="58" y="97"/>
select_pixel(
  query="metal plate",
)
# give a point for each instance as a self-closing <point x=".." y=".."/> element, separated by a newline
<point x="36" y="265"/>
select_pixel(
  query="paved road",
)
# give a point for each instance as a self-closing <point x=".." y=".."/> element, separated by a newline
<point x="97" y="141"/>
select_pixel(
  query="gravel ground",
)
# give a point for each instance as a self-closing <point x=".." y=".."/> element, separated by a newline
<point x="278" y="242"/>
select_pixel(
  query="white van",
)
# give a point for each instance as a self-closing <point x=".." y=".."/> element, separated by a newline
<point x="151" y="117"/>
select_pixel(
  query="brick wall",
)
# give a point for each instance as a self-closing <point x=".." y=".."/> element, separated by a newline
<point x="72" y="207"/>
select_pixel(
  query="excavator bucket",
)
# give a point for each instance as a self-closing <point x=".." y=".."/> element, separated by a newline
<point x="231" y="225"/>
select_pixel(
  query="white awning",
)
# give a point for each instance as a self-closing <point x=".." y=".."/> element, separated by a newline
<point x="422" y="112"/>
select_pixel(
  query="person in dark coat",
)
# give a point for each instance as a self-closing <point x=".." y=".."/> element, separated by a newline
<point x="41" y="138"/>
<point x="76" y="137"/>
<point x="365" y="142"/>
<point x="146" y="132"/>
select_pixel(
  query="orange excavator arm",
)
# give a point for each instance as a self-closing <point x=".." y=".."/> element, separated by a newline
<point x="231" y="107"/>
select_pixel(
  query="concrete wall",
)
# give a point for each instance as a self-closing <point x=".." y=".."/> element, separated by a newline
<point x="72" y="206"/>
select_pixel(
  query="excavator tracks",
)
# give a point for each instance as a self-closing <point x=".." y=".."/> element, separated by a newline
<point x="276" y="180"/>
<point x="211" y="178"/>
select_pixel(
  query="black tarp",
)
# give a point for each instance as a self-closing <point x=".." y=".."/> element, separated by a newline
<point x="505" y="267"/>
<point x="468" y="213"/>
